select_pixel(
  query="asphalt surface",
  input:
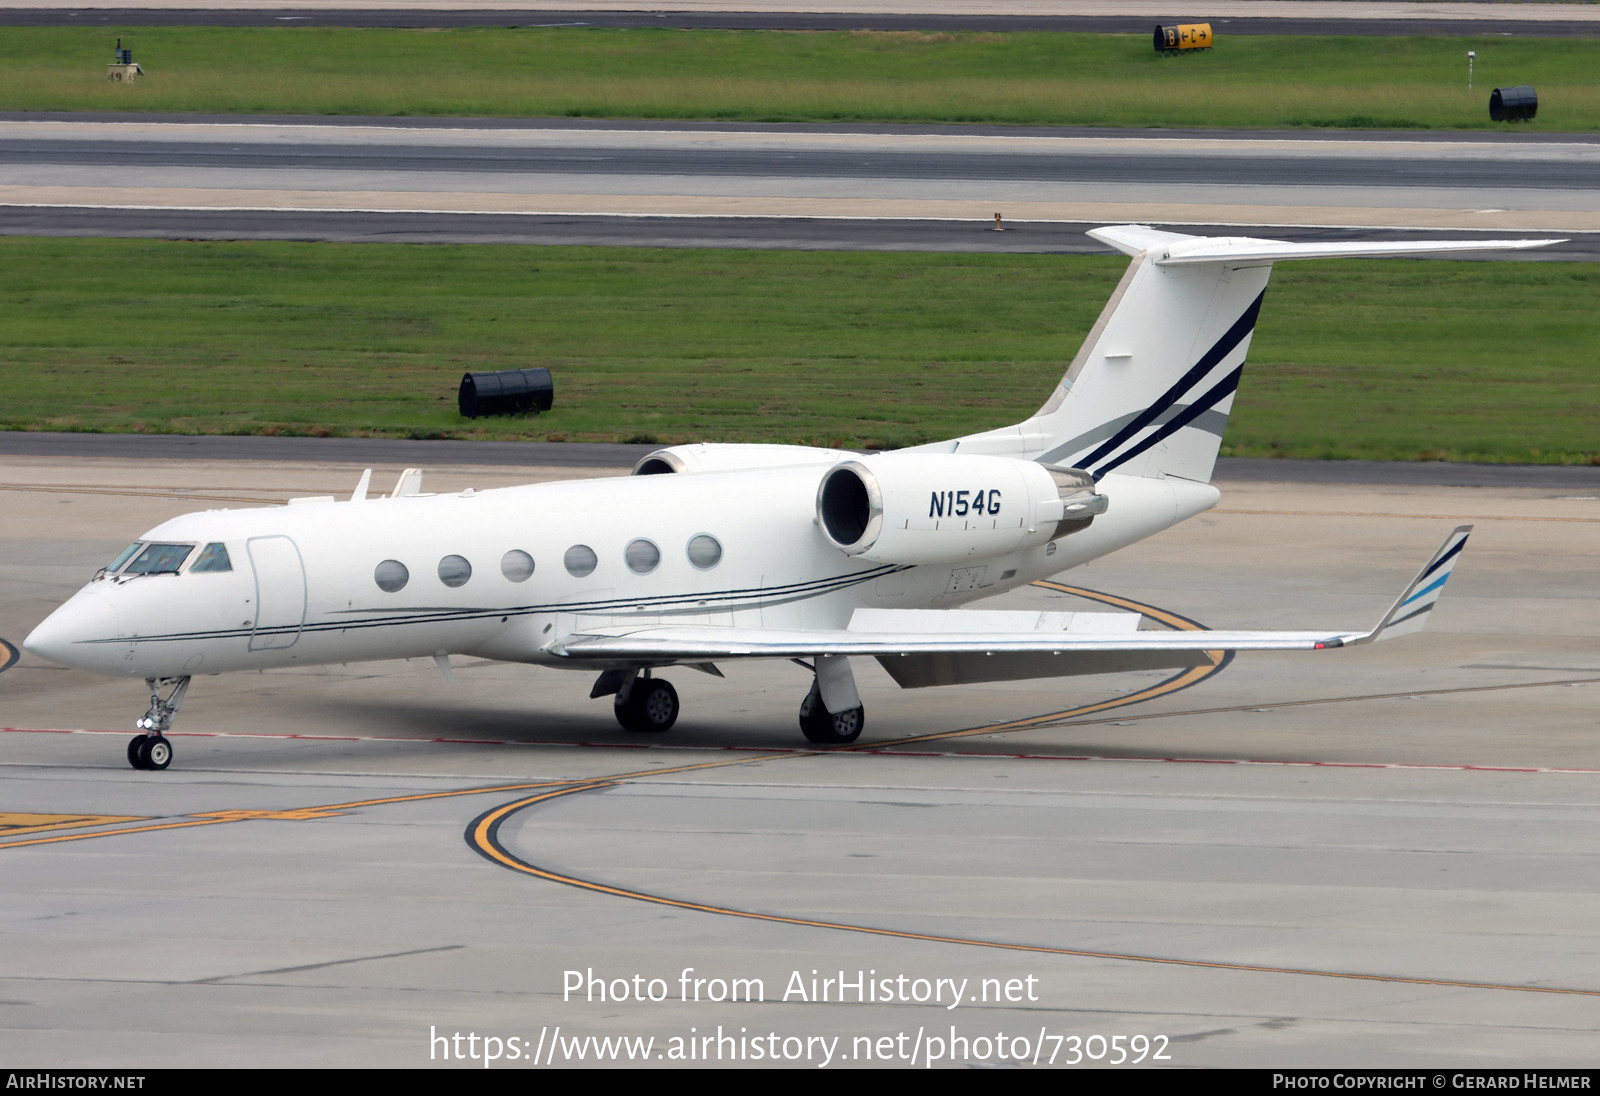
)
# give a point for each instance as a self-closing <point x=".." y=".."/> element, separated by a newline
<point x="1138" y="164"/>
<point x="777" y="233"/>
<point x="785" y="186"/>
<point x="790" y="21"/>
<point x="1507" y="135"/>
<point x="140" y="447"/>
<point x="136" y="449"/>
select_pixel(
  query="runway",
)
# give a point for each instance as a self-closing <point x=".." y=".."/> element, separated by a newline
<point x="1078" y="158"/>
<point x="928" y="188"/>
<point x="1368" y="857"/>
<point x="1236" y="17"/>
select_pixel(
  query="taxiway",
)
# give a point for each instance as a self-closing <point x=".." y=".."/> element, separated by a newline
<point x="796" y="186"/>
<point x="1367" y="857"/>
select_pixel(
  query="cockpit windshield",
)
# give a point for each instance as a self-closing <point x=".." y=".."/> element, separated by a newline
<point x="159" y="559"/>
<point x="127" y="553"/>
<point x="143" y="558"/>
<point x="212" y="558"/>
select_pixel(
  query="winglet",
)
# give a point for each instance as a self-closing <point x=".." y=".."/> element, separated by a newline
<point x="1410" y="611"/>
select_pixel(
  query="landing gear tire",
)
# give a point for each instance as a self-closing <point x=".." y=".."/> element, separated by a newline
<point x="651" y="707"/>
<point x="151" y="752"/>
<point x="827" y="728"/>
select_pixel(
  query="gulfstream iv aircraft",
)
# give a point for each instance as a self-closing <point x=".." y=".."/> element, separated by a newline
<point x="711" y="553"/>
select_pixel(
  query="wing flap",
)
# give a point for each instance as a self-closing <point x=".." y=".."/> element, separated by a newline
<point x="922" y="671"/>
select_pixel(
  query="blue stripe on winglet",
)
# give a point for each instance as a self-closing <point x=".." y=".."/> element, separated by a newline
<point x="1428" y="589"/>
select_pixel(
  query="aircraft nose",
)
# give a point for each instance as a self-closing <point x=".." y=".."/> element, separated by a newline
<point x="67" y="636"/>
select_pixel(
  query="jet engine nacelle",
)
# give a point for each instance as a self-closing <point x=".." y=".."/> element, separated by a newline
<point x="730" y="458"/>
<point x="916" y="508"/>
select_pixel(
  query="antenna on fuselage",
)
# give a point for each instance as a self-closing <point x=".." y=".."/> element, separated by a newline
<point x="360" y="493"/>
<point x="409" y="484"/>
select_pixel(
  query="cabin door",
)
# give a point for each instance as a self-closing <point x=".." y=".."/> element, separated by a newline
<point x="280" y="593"/>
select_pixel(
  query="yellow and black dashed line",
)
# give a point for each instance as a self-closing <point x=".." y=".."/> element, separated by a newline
<point x="293" y="814"/>
<point x="16" y="823"/>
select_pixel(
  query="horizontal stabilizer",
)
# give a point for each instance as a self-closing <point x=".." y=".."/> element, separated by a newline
<point x="1137" y="239"/>
<point x="1176" y="249"/>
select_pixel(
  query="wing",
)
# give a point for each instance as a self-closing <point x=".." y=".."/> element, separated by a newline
<point x="937" y="647"/>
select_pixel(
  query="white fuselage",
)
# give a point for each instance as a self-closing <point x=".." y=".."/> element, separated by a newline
<point x="302" y="589"/>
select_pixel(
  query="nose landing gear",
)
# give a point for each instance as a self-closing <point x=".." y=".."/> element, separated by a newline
<point x="151" y="750"/>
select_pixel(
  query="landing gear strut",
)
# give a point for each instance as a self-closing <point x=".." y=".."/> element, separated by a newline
<point x="646" y="705"/>
<point x="151" y="750"/>
<point x="832" y="713"/>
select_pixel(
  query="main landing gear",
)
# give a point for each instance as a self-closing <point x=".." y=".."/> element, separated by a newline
<point x="830" y="715"/>
<point x="152" y="750"/>
<point x="644" y="704"/>
<point x="827" y="728"/>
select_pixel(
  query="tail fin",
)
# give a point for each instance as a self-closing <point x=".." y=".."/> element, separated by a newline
<point x="1150" y="390"/>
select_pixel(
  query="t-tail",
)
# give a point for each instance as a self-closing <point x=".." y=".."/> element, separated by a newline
<point x="1150" y="391"/>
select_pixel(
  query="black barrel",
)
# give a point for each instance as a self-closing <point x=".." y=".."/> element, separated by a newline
<point x="1513" y="104"/>
<point x="508" y="392"/>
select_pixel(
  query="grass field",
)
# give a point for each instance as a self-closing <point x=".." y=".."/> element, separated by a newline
<point x="1392" y="359"/>
<point x="1038" y="78"/>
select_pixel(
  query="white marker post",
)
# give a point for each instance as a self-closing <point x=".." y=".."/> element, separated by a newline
<point x="1472" y="56"/>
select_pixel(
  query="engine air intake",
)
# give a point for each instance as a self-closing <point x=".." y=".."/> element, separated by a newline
<point x="845" y="505"/>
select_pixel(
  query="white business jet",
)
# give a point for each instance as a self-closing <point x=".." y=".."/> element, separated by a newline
<point x="711" y="553"/>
